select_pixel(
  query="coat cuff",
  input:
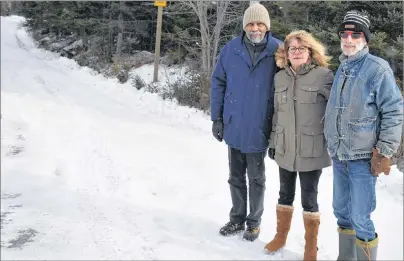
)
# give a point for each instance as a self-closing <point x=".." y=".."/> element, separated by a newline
<point x="384" y="149"/>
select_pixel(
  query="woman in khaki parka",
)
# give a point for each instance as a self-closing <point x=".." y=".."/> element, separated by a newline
<point x="297" y="142"/>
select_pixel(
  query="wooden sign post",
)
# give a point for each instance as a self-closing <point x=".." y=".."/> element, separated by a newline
<point x="160" y="5"/>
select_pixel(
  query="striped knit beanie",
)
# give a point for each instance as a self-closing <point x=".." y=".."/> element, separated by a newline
<point x="256" y="13"/>
<point x="357" y="22"/>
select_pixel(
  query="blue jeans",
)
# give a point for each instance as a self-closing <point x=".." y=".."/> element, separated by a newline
<point x="354" y="196"/>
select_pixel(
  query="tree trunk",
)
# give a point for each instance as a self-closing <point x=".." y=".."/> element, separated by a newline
<point x="220" y="20"/>
<point x="15" y="7"/>
<point x="5" y="8"/>
<point x="110" y="31"/>
<point x="210" y="35"/>
<point x="120" y="30"/>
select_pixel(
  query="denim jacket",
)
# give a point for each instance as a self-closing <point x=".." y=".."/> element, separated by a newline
<point x="365" y="109"/>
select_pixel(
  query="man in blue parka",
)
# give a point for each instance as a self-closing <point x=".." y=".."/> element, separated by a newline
<point x="241" y="111"/>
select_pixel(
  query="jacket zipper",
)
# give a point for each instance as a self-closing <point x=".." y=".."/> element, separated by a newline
<point x="339" y="116"/>
<point x="294" y="111"/>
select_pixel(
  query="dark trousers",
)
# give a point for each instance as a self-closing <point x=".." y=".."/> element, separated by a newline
<point x="308" y="185"/>
<point x="253" y="164"/>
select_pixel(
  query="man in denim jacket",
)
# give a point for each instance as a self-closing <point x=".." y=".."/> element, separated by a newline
<point x="363" y="126"/>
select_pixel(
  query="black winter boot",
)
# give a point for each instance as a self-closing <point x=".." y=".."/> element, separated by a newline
<point x="231" y="228"/>
<point x="251" y="233"/>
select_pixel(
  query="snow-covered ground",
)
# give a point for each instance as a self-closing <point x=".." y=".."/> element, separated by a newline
<point x="92" y="169"/>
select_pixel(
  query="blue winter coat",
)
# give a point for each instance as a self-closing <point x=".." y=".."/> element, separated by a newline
<point x="242" y="94"/>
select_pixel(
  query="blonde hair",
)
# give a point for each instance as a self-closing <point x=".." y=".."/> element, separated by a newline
<point x="316" y="49"/>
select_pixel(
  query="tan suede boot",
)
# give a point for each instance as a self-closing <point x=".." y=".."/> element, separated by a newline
<point x="311" y="224"/>
<point x="284" y="218"/>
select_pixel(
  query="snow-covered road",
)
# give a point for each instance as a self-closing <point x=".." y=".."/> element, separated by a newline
<point x="93" y="169"/>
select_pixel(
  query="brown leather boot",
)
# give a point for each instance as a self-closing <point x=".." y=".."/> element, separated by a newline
<point x="311" y="225"/>
<point x="284" y="218"/>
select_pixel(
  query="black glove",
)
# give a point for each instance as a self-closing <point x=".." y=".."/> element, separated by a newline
<point x="271" y="153"/>
<point x="217" y="129"/>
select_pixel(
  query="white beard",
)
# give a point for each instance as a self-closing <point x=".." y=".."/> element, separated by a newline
<point x="359" y="46"/>
<point x="256" y="39"/>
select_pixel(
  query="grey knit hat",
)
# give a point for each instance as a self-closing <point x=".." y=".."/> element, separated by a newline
<point x="256" y="13"/>
<point x="357" y="22"/>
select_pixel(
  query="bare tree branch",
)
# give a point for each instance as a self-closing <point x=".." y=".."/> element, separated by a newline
<point x="212" y="16"/>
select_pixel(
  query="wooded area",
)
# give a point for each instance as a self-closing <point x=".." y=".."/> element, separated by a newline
<point x="198" y="29"/>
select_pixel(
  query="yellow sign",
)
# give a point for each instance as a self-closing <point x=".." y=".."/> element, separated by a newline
<point x="160" y="3"/>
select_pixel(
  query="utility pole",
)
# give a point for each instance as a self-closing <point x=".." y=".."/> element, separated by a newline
<point x="160" y="5"/>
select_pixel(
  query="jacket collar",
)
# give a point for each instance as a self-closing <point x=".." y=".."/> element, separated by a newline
<point x="304" y="69"/>
<point x="270" y="49"/>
